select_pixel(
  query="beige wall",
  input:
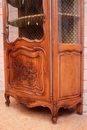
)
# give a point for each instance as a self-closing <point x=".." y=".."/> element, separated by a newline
<point x="13" y="37"/>
<point x="85" y="57"/>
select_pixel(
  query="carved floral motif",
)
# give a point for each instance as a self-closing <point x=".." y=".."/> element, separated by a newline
<point x="24" y="71"/>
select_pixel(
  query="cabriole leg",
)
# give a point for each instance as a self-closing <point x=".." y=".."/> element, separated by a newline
<point x="54" y="119"/>
<point x="7" y="99"/>
<point x="79" y="109"/>
<point x="54" y="113"/>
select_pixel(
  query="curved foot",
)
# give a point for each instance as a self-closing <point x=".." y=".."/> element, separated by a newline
<point x="54" y="112"/>
<point x="79" y="109"/>
<point x="7" y="99"/>
<point x="54" y="120"/>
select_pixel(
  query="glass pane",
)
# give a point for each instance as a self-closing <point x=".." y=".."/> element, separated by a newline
<point x="68" y="21"/>
<point x="13" y="31"/>
<point x="26" y="19"/>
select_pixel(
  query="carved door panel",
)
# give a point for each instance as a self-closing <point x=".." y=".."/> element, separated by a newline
<point x="27" y="48"/>
<point x="27" y="71"/>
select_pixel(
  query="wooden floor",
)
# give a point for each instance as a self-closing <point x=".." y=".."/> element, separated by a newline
<point x="19" y="117"/>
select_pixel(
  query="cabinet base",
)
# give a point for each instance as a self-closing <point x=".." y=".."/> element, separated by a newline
<point x="53" y="106"/>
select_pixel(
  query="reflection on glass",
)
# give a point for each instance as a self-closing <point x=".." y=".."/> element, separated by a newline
<point x="68" y="21"/>
<point x="13" y="31"/>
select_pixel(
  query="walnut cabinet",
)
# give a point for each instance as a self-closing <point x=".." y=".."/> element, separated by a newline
<point x="43" y="53"/>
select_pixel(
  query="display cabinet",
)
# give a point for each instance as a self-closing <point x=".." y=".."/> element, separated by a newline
<point x="43" y="53"/>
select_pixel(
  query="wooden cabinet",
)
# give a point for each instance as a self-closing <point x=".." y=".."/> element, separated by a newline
<point x="43" y="53"/>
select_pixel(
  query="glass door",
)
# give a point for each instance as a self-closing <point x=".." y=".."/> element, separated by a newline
<point x="69" y="47"/>
<point x="69" y="21"/>
<point x="27" y="16"/>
